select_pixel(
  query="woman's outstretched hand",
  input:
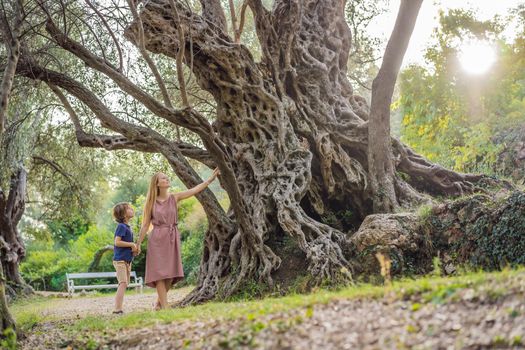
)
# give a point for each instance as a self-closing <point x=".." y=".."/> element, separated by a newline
<point x="216" y="172"/>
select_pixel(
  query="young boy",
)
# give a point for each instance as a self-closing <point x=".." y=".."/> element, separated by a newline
<point x="123" y="251"/>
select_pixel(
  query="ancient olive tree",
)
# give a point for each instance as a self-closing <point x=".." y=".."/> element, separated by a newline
<point x="287" y="131"/>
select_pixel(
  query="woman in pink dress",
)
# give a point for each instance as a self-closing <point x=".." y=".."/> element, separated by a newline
<point x="163" y="260"/>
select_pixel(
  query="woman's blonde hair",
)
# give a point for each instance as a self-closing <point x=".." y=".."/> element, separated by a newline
<point x="151" y="197"/>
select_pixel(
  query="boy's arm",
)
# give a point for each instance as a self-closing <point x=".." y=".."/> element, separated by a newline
<point x="123" y="244"/>
<point x="119" y="233"/>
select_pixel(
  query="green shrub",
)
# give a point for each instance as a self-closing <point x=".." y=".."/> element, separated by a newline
<point x="46" y="264"/>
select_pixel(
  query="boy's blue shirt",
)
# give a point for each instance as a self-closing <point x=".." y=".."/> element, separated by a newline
<point x="123" y="253"/>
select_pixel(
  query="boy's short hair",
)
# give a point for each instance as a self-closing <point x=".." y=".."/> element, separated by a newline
<point x="119" y="211"/>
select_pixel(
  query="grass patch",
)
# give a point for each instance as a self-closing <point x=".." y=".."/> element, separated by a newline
<point x="227" y="310"/>
<point x="28" y="312"/>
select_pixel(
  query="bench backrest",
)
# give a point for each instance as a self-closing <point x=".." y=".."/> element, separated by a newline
<point x="96" y="275"/>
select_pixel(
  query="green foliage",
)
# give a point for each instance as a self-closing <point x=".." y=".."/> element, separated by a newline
<point x="62" y="232"/>
<point x="44" y="265"/>
<point x="69" y="246"/>
<point x="436" y="269"/>
<point x="424" y="211"/>
<point x="343" y="220"/>
<point x="192" y="226"/>
<point x="85" y="246"/>
<point x="364" y="52"/>
<point x="492" y="235"/>
<point x="47" y="264"/>
<point x="250" y="290"/>
<point x="451" y="117"/>
<point x="503" y="242"/>
<point x="8" y="339"/>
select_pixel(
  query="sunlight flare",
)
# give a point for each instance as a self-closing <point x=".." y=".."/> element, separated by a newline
<point x="476" y="57"/>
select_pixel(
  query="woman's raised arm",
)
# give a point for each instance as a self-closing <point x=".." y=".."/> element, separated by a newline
<point x="194" y="190"/>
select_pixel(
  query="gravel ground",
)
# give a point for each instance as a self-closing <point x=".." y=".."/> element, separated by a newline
<point x="81" y="304"/>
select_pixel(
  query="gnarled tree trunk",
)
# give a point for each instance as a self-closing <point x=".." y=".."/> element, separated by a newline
<point x="295" y="134"/>
<point x="12" y="205"/>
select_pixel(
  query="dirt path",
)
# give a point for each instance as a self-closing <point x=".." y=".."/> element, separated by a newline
<point x="82" y="305"/>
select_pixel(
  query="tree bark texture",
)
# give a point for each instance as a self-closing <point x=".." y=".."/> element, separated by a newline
<point x="12" y="205"/>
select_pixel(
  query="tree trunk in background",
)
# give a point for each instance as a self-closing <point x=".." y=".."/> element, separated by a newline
<point x="380" y="157"/>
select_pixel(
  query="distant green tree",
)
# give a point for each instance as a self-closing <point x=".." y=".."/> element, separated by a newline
<point x="451" y="117"/>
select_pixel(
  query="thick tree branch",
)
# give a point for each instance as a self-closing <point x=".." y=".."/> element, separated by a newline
<point x="119" y="142"/>
<point x="233" y="18"/>
<point x="241" y="24"/>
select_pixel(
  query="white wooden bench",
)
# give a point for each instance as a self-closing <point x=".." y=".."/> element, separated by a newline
<point x="71" y="277"/>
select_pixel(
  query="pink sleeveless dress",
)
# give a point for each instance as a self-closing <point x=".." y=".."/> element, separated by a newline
<point x="163" y="259"/>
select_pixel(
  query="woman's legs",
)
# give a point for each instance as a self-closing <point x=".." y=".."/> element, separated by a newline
<point x="162" y="287"/>
<point x="168" y="282"/>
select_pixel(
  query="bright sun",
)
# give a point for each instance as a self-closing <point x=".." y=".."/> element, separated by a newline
<point x="476" y="57"/>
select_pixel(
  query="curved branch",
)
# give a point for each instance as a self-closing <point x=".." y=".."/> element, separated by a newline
<point x="98" y="256"/>
<point x="147" y="58"/>
<point x="113" y="37"/>
<point x="52" y="164"/>
<point x="180" y="56"/>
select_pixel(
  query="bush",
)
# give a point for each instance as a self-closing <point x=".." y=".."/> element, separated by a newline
<point x="46" y="264"/>
<point x="192" y="228"/>
<point x="481" y="232"/>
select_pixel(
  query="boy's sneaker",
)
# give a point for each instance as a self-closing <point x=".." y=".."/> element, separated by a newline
<point x="120" y="312"/>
